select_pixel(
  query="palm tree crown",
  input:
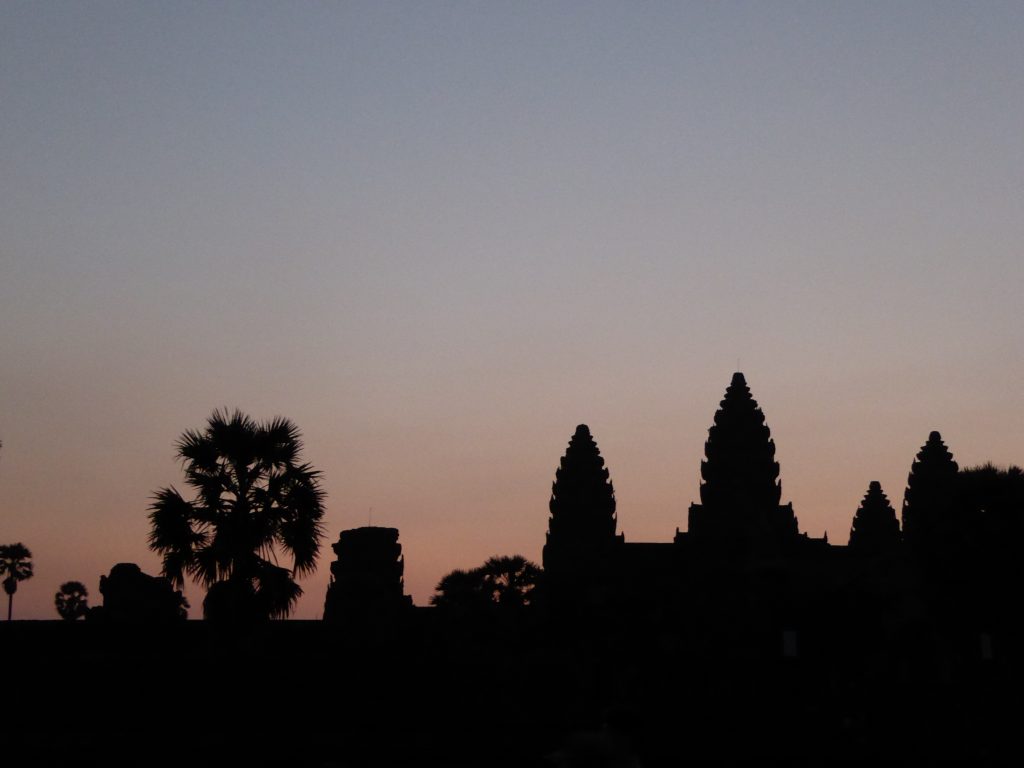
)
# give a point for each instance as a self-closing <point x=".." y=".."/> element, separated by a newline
<point x="253" y="501"/>
<point x="507" y="582"/>
<point x="15" y="566"/>
<point x="72" y="600"/>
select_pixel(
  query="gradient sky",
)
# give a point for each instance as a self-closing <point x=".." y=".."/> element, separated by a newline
<point x="438" y="236"/>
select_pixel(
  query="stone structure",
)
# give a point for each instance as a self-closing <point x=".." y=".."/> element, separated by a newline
<point x="131" y="596"/>
<point x="581" y="542"/>
<point x="875" y="528"/>
<point x="929" y="501"/>
<point x="740" y="491"/>
<point x="740" y="520"/>
<point x="366" y="578"/>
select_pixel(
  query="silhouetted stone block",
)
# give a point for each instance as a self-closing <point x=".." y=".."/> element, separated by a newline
<point x="131" y="596"/>
<point x="366" y="578"/>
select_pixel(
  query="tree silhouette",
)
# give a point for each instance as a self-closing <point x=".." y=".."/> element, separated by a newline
<point x="462" y="591"/>
<point x="509" y="581"/>
<point x="505" y="582"/>
<point x="71" y="600"/>
<point x="989" y="521"/>
<point x="253" y="499"/>
<point x="988" y="514"/>
<point x="15" y="566"/>
<point x="875" y="527"/>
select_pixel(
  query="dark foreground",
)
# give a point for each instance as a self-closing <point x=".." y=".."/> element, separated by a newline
<point x="499" y="693"/>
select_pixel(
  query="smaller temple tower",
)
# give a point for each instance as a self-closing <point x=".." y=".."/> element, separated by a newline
<point x="875" y="528"/>
<point x="366" y="578"/>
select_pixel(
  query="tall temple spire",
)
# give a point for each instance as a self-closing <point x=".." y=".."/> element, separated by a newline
<point x="582" y="497"/>
<point x="581" y="530"/>
<point x="740" y="491"/>
<point x="740" y="469"/>
<point x="875" y="528"/>
<point x="928" y="499"/>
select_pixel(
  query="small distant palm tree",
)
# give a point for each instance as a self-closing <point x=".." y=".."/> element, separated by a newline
<point x="71" y="600"/>
<point x="253" y="500"/>
<point x="15" y="566"/>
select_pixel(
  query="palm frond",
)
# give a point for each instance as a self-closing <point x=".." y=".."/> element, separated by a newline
<point x="176" y="564"/>
<point x="276" y="590"/>
<point x="197" y="451"/>
<point x="233" y="436"/>
<point x="211" y="486"/>
<point x="278" y="443"/>
<point x="70" y="600"/>
<point x="213" y="562"/>
<point x="301" y="536"/>
<point x="15" y="562"/>
<point x="171" y="518"/>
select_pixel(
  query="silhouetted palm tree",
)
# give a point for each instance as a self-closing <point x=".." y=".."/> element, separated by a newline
<point x="252" y="500"/>
<point x="461" y="590"/>
<point x="71" y="600"/>
<point x="507" y="582"/>
<point x="510" y="580"/>
<point x="15" y="566"/>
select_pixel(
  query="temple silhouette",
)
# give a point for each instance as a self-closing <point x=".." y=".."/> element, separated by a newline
<point x="743" y="624"/>
<point x="366" y="578"/>
<point x="740" y="520"/>
<point x="740" y="640"/>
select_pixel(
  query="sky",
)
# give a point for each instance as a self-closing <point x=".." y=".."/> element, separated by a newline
<point x="438" y="236"/>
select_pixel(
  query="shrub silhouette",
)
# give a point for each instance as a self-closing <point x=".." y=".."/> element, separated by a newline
<point x="506" y="583"/>
<point x="72" y="600"/>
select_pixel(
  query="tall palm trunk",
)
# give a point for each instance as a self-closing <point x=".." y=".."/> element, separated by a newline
<point x="10" y="604"/>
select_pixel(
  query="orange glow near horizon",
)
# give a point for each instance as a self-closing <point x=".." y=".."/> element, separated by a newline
<point x="437" y="239"/>
<point x="460" y="500"/>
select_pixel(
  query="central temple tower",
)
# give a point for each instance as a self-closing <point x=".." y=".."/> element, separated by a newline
<point x="740" y="491"/>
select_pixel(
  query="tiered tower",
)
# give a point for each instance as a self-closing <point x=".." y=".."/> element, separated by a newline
<point x="929" y="499"/>
<point x="366" y="579"/>
<point x="875" y="528"/>
<point x="581" y="530"/>
<point x="740" y="491"/>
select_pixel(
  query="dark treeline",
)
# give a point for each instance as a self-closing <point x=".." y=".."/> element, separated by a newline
<point x="740" y="641"/>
